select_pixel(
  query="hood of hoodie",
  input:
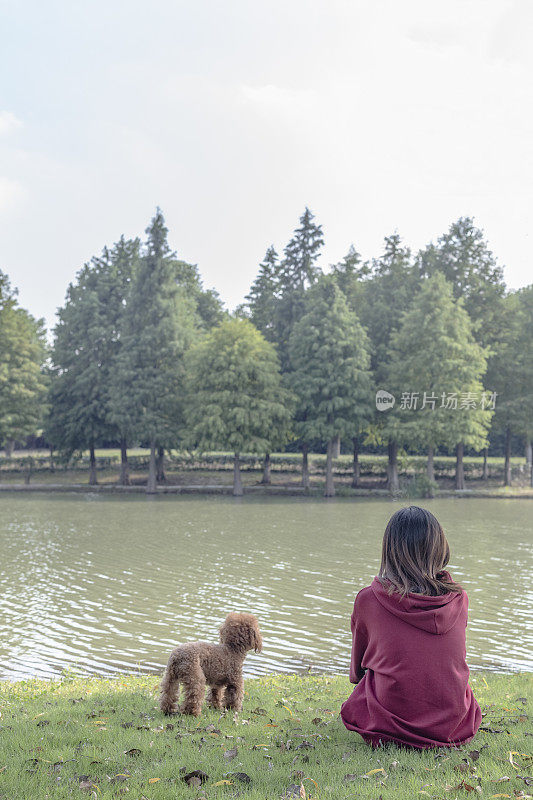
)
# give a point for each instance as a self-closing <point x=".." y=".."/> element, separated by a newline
<point x="433" y="614"/>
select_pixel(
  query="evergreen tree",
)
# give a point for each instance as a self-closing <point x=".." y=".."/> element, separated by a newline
<point x="297" y="271"/>
<point x="385" y="296"/>
<point x="209" y="306"/>
<point x="22" y="377"/>
<point x="433" y="359"/>
<point x="350" y="274"/>
<point x="262" y="298"/>
<point x="510" y="371"/>
<point x="235" y="398"/>
<point x="329" y="375"/>
<point x="463" y="257"/>
<point x="158" y="327"/>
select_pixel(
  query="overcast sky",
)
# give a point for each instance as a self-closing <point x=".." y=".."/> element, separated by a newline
<point x="232" y="116"/>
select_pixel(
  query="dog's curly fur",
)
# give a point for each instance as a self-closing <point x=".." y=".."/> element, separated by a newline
<point x="218" y="666"/>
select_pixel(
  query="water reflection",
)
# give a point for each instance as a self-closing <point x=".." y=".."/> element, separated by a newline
<point x="110" y="584"/>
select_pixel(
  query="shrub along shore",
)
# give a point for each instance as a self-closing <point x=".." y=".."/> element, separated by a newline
<point x="281" y="474"/>
<point x="106" y="738"/>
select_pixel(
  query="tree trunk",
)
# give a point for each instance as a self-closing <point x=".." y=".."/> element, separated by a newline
<point x="124" y="466"/>
<point x="356" y="466"/>
<point x="305" y="466"/>
<point x="330" y="486"/>
<point x="151" y="485"/>
<point x="507" y="463"/>
<point x="459" y="467"/>
<point x="528" y="452"/>
<point x="531" y="477"/>
<point x="393" y="482"/>
<point x="52" y="465"/>
<point x="431" y="464"/>
<point x="266" y="470"/>
<point x="160" y="466"/>
<point x="9" y="447"/>
<point x="485" y="474"/>
<point x="237" y="483"/>
<point x="336" y="446"/>
<point x="93" y="480"/>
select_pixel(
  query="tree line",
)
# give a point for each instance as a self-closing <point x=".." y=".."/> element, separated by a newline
<point x="143" y="354"/>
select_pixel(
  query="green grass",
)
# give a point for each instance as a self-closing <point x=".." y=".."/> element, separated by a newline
<point x="71" y="738"/>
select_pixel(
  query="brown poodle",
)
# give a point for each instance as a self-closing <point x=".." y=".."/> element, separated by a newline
<point x="218" y="665"/>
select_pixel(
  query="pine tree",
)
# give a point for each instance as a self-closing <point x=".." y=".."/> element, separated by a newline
<point x="297" y="271"/>
<point x="510" y="371"/>
<point x="463" y="257"/>
<point x="263" y="295"/>
<point x="22" y="376"/>
<point x="235" y="398"/>
<point x="433" y="358"/>
<point x="158" y="327"/>
<point x="385" y="296"/>
<point x="330" y="376"/>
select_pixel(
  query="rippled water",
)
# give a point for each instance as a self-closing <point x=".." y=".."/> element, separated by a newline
<point x="111" y="584"/>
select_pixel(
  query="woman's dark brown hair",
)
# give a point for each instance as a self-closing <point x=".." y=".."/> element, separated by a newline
<point x="415" y="552"/>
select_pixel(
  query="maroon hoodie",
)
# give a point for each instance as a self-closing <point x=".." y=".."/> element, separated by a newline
<point x="409" y="663"/>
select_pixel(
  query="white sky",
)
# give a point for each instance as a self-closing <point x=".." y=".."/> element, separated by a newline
<point x="232" y="116"/>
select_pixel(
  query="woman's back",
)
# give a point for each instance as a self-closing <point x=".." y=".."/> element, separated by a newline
<point x="408" y="647"/>
<point x="415" y="686"/>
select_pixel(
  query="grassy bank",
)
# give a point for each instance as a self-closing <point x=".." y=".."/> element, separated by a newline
<point x="107" y="739"/>
<point x="213" y="472"/>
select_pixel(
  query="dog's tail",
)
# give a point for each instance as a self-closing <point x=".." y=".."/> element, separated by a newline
<point x="170" y="689"/>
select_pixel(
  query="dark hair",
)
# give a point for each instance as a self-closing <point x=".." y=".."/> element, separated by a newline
<point x="415" y="552"/>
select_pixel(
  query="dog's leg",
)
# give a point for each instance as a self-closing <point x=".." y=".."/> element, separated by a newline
<point x="214" y="698"/>
<point x="234" y="694"/>
<point x="194" y="687"/>
<point x="170" y="689"/>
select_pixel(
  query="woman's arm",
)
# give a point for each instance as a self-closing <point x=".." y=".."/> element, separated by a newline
<point x="359" y="645"/>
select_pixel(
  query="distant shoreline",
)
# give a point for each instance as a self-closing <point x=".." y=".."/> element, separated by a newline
<point x="263" y="491"/>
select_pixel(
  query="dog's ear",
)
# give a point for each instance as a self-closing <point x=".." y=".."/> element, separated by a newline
<point x="258" y="641"/>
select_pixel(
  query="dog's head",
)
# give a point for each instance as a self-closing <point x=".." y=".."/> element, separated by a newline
<point x="241" y="632"/>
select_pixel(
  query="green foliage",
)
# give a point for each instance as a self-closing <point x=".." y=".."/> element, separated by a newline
<point x="511" y="364"/>
<point x="235" y="398"/>
<point x="463" y="257"/>
<point x="88" y="339"/>
<point x="83" y="736"/>
<point x="434" y="354"/>
<point x="329" y="361"/>
<point x="23" y="383"/>
<point x="158" y="325"/>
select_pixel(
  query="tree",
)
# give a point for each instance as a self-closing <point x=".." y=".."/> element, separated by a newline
<point x="463" y="257"/>
<point x="510" y="371"/>
<point x="385" y="296"/>
<point x="235" y="398"/>
<point x="263" y="295"/>
<point x="158" y="327"/>
<point x="87" y="342"/>
<point x="23" y="382"/>
<point x="435" y="368"/>
<point x="297" y="271"/>
<point x="330" y="376"/>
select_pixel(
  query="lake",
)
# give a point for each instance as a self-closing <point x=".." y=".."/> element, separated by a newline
<point x="109" y="584"/>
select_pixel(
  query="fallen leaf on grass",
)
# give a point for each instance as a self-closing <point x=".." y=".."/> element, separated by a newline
<point x="196" y="775"/>
<point x="223" y="783"/>
<point x="153" y="780"/>
<point x="375" y="771"/>
<point x="350" y="777"/>
<point x="240" y="776"/>
<point x="229" y="755"/>
<point x="88" y="786"/>
<point x="134" y="751"/>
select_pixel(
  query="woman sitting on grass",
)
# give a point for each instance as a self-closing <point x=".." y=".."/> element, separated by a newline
<point x="409" y="652"/>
